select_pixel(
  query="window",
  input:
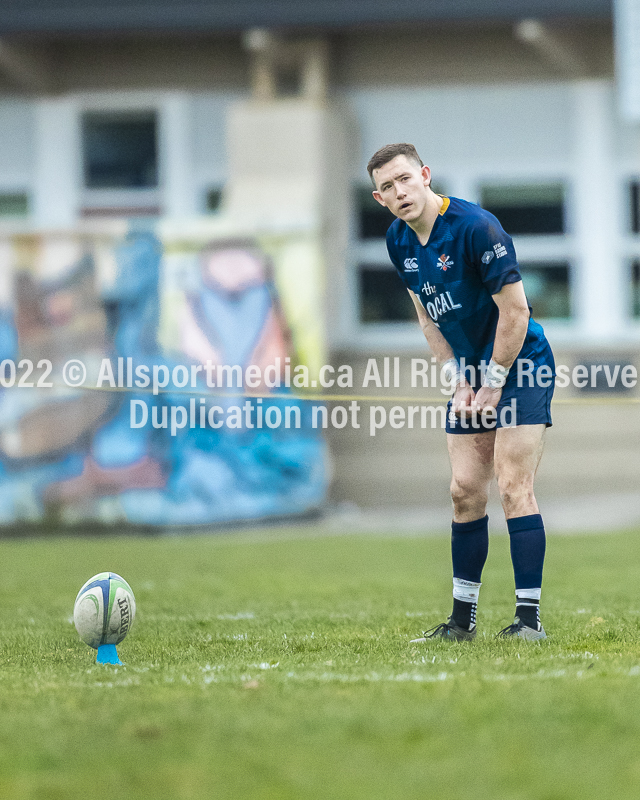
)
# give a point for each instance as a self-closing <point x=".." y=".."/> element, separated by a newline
<point x="635" y="289"/>
<point x="526" y="209"/>
<point x="383" y="296"/>
<point x="373" y="219"/>
<point x="548" y="289"/>
<point x="14" y="204"/>
<point x="213" y="199"/>
<point x="634" y="200"/>
<point x="120" y="150"/>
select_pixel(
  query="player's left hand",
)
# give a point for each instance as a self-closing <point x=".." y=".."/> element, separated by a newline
<point x="486" y="398"/>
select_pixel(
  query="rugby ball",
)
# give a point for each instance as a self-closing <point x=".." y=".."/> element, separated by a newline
<point x="104" y="610"/>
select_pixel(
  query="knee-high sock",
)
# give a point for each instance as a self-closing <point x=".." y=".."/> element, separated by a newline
<point x="528" y="544"/>
<point x="469" y="548"/>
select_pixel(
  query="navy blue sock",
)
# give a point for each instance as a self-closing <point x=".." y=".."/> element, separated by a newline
<point x="528" y="543"/>
<point x="469" y="548"/>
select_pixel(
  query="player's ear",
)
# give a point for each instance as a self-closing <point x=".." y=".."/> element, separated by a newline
<point x="426" y="175"/>
<point x="378" y="197"/>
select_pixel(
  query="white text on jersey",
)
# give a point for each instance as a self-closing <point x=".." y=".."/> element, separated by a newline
<point x="428" y="289"/>
<point x="440" y="305"/>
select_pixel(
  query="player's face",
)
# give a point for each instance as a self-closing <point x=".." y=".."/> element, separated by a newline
<point x="403" y="187"/>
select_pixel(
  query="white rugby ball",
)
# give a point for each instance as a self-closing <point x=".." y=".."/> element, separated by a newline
<point x="104" y="610"/>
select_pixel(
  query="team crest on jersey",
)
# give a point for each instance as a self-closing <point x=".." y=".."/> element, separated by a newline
<point x="411" y="265"/>
<point x="444" y="262"/>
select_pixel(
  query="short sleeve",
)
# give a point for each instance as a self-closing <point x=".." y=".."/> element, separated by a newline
<point x="493" y="254"/>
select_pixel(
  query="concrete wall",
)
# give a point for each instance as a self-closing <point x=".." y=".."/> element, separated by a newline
<point x="591" y="449"/>
<point x="17" y="125"/>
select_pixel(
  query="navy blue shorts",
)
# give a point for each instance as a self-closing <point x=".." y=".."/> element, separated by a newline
<point x="524" y="405"/>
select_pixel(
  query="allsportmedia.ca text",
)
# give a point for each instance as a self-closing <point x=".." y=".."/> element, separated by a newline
<point x="378" y="373"/>
<point x="381" y="373"/>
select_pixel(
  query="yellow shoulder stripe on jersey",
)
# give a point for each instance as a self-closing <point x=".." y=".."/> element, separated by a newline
<point x="445" y="205"/>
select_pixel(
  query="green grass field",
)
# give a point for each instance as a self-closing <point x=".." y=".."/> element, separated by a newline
<point x="277" y="665"/>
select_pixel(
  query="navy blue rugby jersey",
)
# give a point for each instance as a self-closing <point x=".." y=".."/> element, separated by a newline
<point x="468" y="258"/>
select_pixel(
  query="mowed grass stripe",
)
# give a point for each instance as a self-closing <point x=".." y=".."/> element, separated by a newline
<point x="279" y="666"/>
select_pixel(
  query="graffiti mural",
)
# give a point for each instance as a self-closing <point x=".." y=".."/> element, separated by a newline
<point x="183" y="415"/>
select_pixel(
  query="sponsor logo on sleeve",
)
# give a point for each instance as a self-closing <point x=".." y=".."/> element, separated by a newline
<point x="487" y="257"/>
<point x="411" y="265"/>
<point x="500" y="249"/>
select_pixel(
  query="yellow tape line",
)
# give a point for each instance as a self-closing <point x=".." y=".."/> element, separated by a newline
<point x="347" y="398"/>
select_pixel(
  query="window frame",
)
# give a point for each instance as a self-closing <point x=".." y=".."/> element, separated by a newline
<point x="92" y="119"/>
<point x="131" y="201"/>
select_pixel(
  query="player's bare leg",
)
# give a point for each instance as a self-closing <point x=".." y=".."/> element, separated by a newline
<point x="517" y="456"/>
<point x="472" y="465"/>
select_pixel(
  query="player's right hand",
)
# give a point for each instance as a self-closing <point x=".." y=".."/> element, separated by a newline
<point x="462" y="399"/>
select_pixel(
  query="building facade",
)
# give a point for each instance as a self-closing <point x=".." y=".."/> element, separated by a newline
<point x="108" y="111"/>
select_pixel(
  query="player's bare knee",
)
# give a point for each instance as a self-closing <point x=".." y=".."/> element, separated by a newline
<point x="468" y="496"/>
<point x="462" y="490"/>
<point x="515" y="494"/>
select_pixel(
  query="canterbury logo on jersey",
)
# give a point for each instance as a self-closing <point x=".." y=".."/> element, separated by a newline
<point x="411" y="265"/>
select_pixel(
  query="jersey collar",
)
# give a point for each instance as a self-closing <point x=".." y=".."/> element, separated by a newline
<point x="432" y="238"/>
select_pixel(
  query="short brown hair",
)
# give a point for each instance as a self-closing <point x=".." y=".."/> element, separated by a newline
<point x="388" y="153"/>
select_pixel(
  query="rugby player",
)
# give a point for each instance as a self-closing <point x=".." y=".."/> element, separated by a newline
<point x="461" y="271"/>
